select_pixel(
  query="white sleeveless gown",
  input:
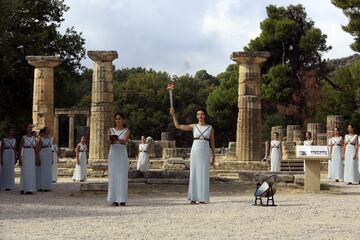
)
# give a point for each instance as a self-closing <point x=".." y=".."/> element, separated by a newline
<point x="9" y="157"/>
<point x="118" y="170"/>
<point x="28" y="172"/>
<point x="143" y="161"/>
<point x="80" y="172"/>
<point x="46" y="161"/>
<point x="199" y="182"/>
<point x="275" y="156"/>
<point x="337" y="168"/>
<point x="351" y="170"/>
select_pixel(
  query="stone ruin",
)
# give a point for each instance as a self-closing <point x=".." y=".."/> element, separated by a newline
<point x="294" y="135"/>
<point x="245" y="153"/>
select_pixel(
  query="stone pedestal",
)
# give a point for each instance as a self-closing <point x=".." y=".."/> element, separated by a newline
<point x="101" y="103"/>
<point x="43" y="92"/>
<point x="248" y="137"/>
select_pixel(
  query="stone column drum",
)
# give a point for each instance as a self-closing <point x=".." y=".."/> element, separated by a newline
<point x="248" y="134"/>
<point x="71" y="131"/>
<point x="43" y="92"/>
<point x="101" y="118"/>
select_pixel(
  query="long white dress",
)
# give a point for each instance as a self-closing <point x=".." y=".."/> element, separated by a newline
<point x="337" y="168"/>
<point x="118" y="169"/>
<point x="351" y="171"/>
<point x="275" y="156"/>
<point x="9" y="157"/>
<point x="54" y="149"/>
<point x="199" y="182"/>
<point x="80" y="172"/>
<point x="46" y="161"/>
<point x="143" y="161"/>
<point x="28" y="175"/>
<point x="329" y="161"/>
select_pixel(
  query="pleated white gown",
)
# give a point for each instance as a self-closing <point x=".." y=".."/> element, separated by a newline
<point x="7" y="172"/>
<point x="118" y="170"/>
<point x="351" y="170"/>
<point x="46" y="162"/>
<point x="199" y="182"/>
<point x="143" y="161"/>
<point x="54" y="149"/>
<point x="337" y="168"/>
<point x="28" y="172"/>
<point x="80" y="172"/>
<point x="275" y="156"/>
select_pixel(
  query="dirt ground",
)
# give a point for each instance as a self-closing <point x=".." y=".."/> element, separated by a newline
<point x="162" y="212"/>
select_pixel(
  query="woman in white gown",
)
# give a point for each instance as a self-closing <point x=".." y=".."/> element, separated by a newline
<point x="351" y="171"/>
<point x="8" y="161"/>
<point x="54" y="149"/>
<point x="308" y="140"/>
<point x="337" y="168"/>
<point x="118" y="162"/>
<point x="143" y="156"/>
<point x="46" y="160"/>
<point x="80" y="172"/>
<point x="27" y="161"/>
<point x="203" y="134"/>
<point x="275" y="155"/>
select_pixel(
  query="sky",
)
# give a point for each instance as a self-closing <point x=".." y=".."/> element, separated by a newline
<point x="184" y="36"/>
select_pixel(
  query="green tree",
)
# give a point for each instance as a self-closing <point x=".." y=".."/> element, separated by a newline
<point x="31" y="27"/>
<point x="345" y="102"/>
<point x="141" y="94"/>
<point x="351" y="10"/>
<point x="222" y="105"/>
<point x="296" y="46"/>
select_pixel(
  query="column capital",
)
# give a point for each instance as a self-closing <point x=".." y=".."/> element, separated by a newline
<point x="249" y="57"/>
<point x="43" y="61"/>
<point x="102" y="56"/>
<point x="71" y="115"/>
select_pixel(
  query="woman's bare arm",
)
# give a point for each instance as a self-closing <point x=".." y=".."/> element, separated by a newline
<point x="188" y="127"/>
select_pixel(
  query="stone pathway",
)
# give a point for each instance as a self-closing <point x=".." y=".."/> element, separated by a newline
<point x="162" y="212"/>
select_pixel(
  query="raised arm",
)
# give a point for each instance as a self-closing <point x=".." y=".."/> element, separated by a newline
<point x="212" y="144"/>
<point x="188" y="127"/>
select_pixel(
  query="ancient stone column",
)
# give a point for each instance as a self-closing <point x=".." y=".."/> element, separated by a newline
<point x="101" y="104"/>
<point x="289" y="132"/>
<point x="321" y="139"/>
<point x="56" y="129"/>
<point x="43" y="92"/>
<point x="71" y="131"/>
<point x="248" y="137"/>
